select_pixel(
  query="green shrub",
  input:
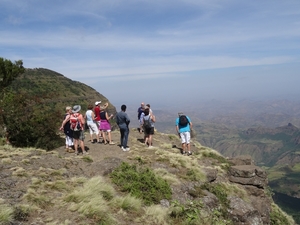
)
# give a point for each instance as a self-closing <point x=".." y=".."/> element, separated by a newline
<point x="189" y="213"/>
<point x="220" y="191"/>
<point x="141" y="183"/>
<point x="30" y="121"/>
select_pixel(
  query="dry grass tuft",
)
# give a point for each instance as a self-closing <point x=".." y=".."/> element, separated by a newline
<point x="6" y="213"/>
<point x="166" y="146"/>
<point x="19" y="171"/>
<point x="154" y="214"/>
<point x="40" y="200"/>
<point x="128" y="203"/>
<point x="170" y="178"/>
<point x="58" y="185"/>
<point x="6" y="161"/>
<point x="89" y="200"/>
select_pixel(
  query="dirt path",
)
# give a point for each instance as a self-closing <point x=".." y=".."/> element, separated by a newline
<point x="100" y="151"/>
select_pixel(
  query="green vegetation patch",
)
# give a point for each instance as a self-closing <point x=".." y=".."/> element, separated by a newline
<point x="220" y="190"/>
<point x="141" y="182"/>
<point x="296" y="167"/>
<point x="6" y="213"/>
<point x="277" y="216"/>
<point x="194" y="213"/>
<point x="213" y="155"/>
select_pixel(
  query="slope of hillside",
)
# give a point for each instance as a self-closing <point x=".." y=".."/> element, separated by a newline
<point x="64" y="91"/>
<point x="33" y="106"/>
<point x="56" y="187"/>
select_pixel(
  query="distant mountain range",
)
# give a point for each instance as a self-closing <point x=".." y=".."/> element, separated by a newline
<point x="266" y="130"/>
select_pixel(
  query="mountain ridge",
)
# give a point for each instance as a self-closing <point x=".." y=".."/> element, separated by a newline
<point x="206" y="188"/>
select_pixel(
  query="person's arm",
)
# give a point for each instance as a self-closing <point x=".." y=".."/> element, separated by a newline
<point x="142" y="118"/>
<point x="127" y="120"/>
<point x="64" y="122"/>
<point x="190" y="122"/>
<point x="177" y="127"/>
<point x="118" y="120"/>
<point x="93" y="116"/>
<point x="108" y="117"/>
<point x="152" y="117"/>
<point x="96" y="113"/>
<point x="82" y="120"/>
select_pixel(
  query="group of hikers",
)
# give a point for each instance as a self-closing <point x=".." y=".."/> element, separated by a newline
<point x="96" y="119"/>
<point x="183" y="127"/>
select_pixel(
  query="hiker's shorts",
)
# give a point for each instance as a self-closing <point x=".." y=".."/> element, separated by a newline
<point x="185" y="137"/>
<point x="78" y="135"/>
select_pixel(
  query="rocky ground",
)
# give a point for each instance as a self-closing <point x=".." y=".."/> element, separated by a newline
<point x="22" y="171"/>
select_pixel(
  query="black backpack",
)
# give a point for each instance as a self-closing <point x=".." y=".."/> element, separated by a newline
<point x="147" y="123"/>
<point x="183" y="120"/>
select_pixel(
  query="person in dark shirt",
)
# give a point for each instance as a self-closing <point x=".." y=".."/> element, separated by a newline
<point x="123" y="121"/>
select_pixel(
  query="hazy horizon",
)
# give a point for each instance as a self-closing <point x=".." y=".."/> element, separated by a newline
<point x="161" y="52"/>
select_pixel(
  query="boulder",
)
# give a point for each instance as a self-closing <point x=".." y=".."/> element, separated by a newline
<point x="248" y="175"/>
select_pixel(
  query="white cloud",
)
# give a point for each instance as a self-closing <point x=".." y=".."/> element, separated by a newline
<point x="134" y="40"/>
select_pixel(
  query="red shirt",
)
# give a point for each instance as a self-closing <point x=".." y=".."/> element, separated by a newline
<point x="97" y="113"/>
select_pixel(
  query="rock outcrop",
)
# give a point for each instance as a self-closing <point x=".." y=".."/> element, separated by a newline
<point x="256" y="210"/>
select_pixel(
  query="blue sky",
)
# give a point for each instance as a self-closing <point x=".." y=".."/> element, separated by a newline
<point x="158" y="51"/>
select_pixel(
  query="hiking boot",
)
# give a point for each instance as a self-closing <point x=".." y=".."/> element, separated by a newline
<point x="127" y="149"/>
<point x="111" y="143"/>
<point x="85" y="153"/>
<point x="71" y="150"/>
<point x="183" y="152"/>
<point x="124" y="149"/>
<point x="67" y="149"/>
<point x="189" y="153"/>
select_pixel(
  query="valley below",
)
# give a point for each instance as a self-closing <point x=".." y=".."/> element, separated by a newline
<point x="268" y="131"/>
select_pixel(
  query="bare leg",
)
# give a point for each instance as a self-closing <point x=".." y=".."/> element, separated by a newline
<point x="150" y="139"/>
<point x="104" y="136"/>
<point x="82" y="146"/>
<point x="76" y="145"/>
<point x="183" y="147"/>
<point x="109" y="138"/>
<point x="146" y="139"/>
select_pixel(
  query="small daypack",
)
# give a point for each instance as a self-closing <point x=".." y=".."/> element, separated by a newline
<point x="183" y="120"/>
<point x="74" y="123"/>
<point x="147" y="123"/>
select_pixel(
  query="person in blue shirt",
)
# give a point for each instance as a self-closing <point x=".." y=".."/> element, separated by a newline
<point x="183" y="128"/>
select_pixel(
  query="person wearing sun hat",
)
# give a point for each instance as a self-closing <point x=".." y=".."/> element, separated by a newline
<point x="78" y="135"/>
<point x="97" y="113"/>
